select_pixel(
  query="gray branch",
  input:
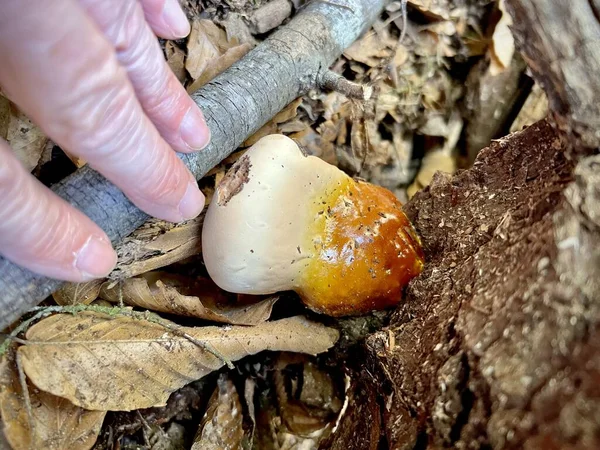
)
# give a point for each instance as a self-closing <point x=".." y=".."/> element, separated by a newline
<point x="236" y="104"/>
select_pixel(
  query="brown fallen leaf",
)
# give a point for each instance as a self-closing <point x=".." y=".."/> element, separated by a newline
<point x="158" y="244"/>
<point x="534" y="109"/>
<point x="24" y="137"/>
<point x="120" y="363"/>
<point x="58" y="424"/>
<point x="502" y="47"/>
<point x="371" y="49"/>
<point x="176" y="60"/>
<point x="210" y="52"/>
<point x="219" y="65"/>
<point x="173" y="294"/>
<point x="221" y="427"/>
<point x="205" y="44"/>
<point x="236" y="28"/>
<point x="78" y="293"/>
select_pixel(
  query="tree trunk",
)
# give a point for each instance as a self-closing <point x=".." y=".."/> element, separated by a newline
<point x="497" y="343"/>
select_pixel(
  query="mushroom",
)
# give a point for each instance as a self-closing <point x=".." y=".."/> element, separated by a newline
<point x="281" y="220"/>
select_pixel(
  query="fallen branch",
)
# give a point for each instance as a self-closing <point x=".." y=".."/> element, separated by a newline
<point x="236" y="104"/>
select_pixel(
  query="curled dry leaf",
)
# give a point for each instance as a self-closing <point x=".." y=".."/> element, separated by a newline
<point x="176" y="60"/>
<point x="503" y="43"/>
<point x="158" y="244"/>
<point x="25" y="138"/>
<point x="220" y="65"/>
<point x="199" y="298"/>
<point x="210" y="52"/>
<point x="57" y="423"/>
<point x="370" y="49"/>
<point x="221" y="427"/>
<point x="78" y="293"/>
<point x="104" y="363"/>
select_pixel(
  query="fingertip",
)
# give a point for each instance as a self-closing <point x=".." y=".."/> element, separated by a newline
<point x="175" y="19"/>
<point x="96" y="258"/>
<point x="192" y="202"/>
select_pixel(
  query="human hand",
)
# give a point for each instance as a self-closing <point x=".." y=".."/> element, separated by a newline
<point x="91" y="74"/>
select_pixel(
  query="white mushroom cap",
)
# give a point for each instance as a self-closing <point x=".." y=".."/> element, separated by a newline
<point x="281" y="220"/>
<point x="254" y="234"/>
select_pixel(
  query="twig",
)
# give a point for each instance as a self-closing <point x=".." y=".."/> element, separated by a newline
<point x="25" y="392"/>
<point x="332" y="81"/>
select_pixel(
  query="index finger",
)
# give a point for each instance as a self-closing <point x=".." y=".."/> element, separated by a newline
<point x="60" y="69"/>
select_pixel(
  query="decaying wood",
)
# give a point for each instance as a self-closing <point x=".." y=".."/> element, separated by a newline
<point x="490" y="99"/>
<point x="236" y="104"/>
<point x="559" y="41"/>
<point x="496" y="344"/>
<point x="534" y="109"/>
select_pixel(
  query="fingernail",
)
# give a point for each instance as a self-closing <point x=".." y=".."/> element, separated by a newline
<point x="192" y="202"/>
<point x="175" y="19"/>
<point x="96" y="258"/>
<point x="193" y="129"/>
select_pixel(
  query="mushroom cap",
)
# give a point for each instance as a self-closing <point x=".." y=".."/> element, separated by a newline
<point x="254" y="238"/>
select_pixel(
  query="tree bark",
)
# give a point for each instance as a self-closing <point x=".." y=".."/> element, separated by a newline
<point x="559" y="41"/>
<point x="236" y="104"/>
<point x="497" y="343"/>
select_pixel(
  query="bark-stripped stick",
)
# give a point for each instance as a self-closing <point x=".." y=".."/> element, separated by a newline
<point x="236" y="104"/>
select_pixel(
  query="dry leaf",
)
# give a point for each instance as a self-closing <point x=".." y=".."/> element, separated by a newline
<point x="58" y="424"/>
<point x="175" y="59"/>
<point x="78" y="293"/>
<point x="210" y="52"/>
<point x="158" y="244"/>
<point x="436" y="9"/>
<point x="206" y="43"/>
<point x="199" y="298"/>
<point x="236" y="28"/>
<point x="121" y="363"/>
<point x="534" y="109"/>
<point x="433" y="162"/>
<point x="219" y="65"/>
<point x="503" y="43"/>
<point x="25" y="138"/>
<point x="369" y="50"/>
<point x="221" y="427"/>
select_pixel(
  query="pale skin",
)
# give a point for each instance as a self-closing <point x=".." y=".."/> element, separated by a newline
<point x="91" y="74"/>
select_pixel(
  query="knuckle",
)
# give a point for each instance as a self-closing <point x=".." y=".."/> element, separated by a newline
<point x="164" y="180"/>
<point x="128" y="30"/>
